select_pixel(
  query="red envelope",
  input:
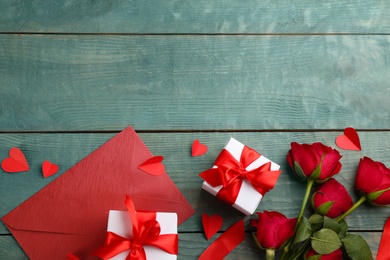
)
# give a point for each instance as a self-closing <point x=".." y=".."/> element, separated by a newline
<point x="70" y="214"/>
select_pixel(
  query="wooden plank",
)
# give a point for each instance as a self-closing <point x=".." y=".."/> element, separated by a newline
<point x="219" y="16"/>
<point x="61" y="83"/>
<point x="191" y="245"/>
<point x="286" y="197"/>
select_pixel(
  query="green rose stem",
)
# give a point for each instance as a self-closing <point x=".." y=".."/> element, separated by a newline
<point x="309" y="185"/>
<point x="354" y="206"/>
<point x="303" y="248"/>
<point x="270" y="254"/>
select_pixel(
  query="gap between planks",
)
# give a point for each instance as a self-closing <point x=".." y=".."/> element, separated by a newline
<point x="194" y="131"/>
<point x="194" y="34"/>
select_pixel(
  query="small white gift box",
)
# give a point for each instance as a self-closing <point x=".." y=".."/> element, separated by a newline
<point x="248" y="197"/>
<point x="119" y="223"/>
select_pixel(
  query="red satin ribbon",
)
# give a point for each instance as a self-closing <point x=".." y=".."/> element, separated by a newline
<point x="146" y="231"/>
<point x="384" y="246"/>
<point x="230" y="173"/>
<point x="224" y="244"/>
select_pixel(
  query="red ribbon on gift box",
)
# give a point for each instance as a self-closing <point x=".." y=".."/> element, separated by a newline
<point x="230" y="173"/>
<point x="146" y="231"/>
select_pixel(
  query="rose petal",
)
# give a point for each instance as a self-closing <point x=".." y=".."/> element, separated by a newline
<point x="368" y="176"/>
<point x="335" y="192"/>
<point x="330" y="163"/>
<point x="289" y="158"/>
<point x="306" y="157"/>
<point x="273" y="228"/>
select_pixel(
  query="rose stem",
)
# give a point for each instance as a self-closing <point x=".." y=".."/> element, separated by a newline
<point x="309" y="185"/>
<point x="270" y="254"/>
<point x="354" y="206"/>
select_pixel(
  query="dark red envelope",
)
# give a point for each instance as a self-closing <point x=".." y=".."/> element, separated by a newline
<point x="70" y="214"/>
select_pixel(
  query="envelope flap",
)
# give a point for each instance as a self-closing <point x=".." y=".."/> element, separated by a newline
<point x="79" y="200"/>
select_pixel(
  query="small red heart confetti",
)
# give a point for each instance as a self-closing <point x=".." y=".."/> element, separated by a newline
<point x="349" y="140"/>
<point x="153" y="165"/>
<point x="49" y="169"/>
<point x="211" y="224"/>
<point x="198" y="149"/>
<point x="16" y="162"/>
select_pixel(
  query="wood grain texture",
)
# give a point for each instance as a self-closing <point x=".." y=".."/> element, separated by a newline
<point x="67" y="149"/>
<point x="59" y="83"/>
<point x="289" y="70"/>
<point x="191" y="246"/>
<point x="219" y="16"/>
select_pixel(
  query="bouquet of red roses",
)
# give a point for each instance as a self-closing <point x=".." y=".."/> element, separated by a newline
<point x="324" y="235"/>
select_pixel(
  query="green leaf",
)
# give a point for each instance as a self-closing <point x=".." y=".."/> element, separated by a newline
<point x="299" y="172"/>
<point x="325" y="241"/>
<point x="314" y="257"/>
<point x="316" y="221"/>
<point x="303" y="231"/>
<point x="332" y="224"/>
<point x="356" y="247"/>
<point x="343" y="228"/>
<point x="324" y="208"/>
<point x="317" y="172"/>
<point x="374" y="195"/>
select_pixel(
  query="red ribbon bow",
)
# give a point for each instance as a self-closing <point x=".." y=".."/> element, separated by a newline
<point x="230" y="173"/>
<point x="146" y="231"/>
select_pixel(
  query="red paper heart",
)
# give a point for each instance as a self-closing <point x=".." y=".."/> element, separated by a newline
<point x="211" y="224"/>
<point x="198" y="149"/>
<point x="16" y="162"/>
<point x="349" y="140"/>
<point x="49" y="169"/>
<point x="153" y="165"/>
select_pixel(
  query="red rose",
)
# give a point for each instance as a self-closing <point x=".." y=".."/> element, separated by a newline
<point x="331" y="199"/>
<point x="315" y="161"/>
<point x="373" y="181"/>
<point x="335" y="255"/>
<point x="273" y="229"/>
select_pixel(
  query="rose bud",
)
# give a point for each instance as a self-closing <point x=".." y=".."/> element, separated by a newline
<point x="373" y="181"/>
<point x="314" y="161"/>
<point x="331" y="199"/>
<point x="273" y="229"/>
<point x="335" y="255"/>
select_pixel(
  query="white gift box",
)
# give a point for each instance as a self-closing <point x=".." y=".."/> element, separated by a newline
<point x="248" y="198"/>
<point x="119" y="223"/>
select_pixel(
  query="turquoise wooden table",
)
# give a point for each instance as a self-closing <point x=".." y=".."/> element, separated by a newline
<point x="75" y="73"/>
